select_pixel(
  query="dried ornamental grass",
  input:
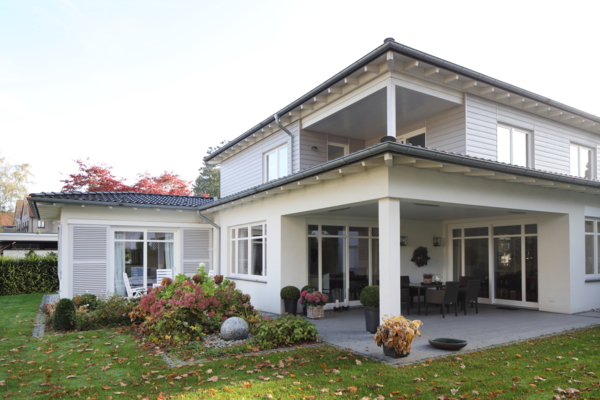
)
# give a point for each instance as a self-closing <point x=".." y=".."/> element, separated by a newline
<point x="397" y="333"/>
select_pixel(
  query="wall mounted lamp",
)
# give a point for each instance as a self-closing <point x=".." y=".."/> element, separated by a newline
<point x="403" y="240"/>
<point x="437" y="241"/>
<point x="314" y="148"/>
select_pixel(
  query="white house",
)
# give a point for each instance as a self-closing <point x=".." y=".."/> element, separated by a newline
<point x="505" y="180"/>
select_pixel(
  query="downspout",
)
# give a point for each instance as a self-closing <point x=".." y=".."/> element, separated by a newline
<point x="276" y="117"/>
<point x="207" y="221"/>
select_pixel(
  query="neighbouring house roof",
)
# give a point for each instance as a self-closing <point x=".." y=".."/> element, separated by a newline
<point x="18" y="208"/>
<point x="390" y="45"/>
<point x="6" y="219"/>
<point x="501" y="171"/>
<point x="123" y="199"/>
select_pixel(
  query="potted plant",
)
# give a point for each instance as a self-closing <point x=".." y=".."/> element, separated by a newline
<point x="310" y="289"/>
<point x="427" y="277"/>
<point x="396" y="335"/>
<point x="290" y="296"/>
<point x="314" y="302"/>
<point x="369" y="298"/>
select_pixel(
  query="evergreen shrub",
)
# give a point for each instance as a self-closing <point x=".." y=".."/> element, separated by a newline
<point x="64" y="315"/>
<point x="32" y="274"/>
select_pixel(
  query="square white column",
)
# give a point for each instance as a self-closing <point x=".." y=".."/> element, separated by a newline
<point x="389" y="256"/>
<point x="391" y="109"/>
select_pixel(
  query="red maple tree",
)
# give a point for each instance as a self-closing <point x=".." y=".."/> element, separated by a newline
<point x="99" y="178"/>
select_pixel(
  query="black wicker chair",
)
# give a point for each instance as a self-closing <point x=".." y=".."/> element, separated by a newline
<point x="444" y="297"/>
<point x="469" y="295"/>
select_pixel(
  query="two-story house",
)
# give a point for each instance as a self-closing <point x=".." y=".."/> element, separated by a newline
<point x="27" y="222"/>
<point x="398" y="151"/>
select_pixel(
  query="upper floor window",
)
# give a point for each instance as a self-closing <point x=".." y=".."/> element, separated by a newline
<point x="248" y="250"/>
<point x="336" y="150"/>
<point x="41" y="224"/>
<point x="592" y="244"/>
<point x="416" y="137"/>
<point x="513" y="146"/>
<point x="276" y="163"/>
<point x="581" y="161"/>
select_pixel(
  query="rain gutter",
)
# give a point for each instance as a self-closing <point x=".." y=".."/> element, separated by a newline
<point x="412" y="151"/>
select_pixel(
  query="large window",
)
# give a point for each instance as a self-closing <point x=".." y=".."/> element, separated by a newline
<point x="140" y="254"/>
<point x="581" y="161"/>
<point x="249" y="250"/>
<point x="592" y="246"/>
<point x="513" y="146"/>
<point x="276" y="163"/>
<point x="41" y="224"/>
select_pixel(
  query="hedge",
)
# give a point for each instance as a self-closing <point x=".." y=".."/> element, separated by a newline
<point x="32" y="274"/>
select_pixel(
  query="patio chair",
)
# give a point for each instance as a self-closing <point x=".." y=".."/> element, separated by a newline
<point x="405" y="298"/>
<point x="469" y="295"/>
<point x="412" y="292"/>
<point x="162" y="273"/>
<point x="132" y="292"/>
<point x="444" y="297"/>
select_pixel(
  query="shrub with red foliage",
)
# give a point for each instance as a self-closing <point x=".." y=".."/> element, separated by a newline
<point x="184" y="310"/>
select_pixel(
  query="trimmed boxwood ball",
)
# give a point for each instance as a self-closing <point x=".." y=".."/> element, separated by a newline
<point x="64" y="315"/>
<point x="369" y="296"/>
<point x="290" y="293"/>
<point x="309" y="288"/>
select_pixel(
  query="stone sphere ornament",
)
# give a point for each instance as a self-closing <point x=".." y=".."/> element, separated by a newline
<point x="234" y="328"/>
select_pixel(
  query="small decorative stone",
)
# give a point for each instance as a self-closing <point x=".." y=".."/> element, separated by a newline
<point x="234" y="328"/>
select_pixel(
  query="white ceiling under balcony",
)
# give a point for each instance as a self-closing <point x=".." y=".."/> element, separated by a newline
<point x="367" y="117"/>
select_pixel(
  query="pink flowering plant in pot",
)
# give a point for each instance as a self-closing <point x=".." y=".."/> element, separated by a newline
<point x="313" y="299"/>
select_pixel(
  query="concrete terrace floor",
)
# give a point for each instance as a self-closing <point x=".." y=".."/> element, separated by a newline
<point x="493" y="326"/>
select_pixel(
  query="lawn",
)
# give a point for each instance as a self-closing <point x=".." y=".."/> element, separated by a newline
<point x="111" y="364"/>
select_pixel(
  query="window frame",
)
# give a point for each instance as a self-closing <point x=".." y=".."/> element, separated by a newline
<point x="592" y="158"/>
<point x="41" y="224"/>
<point x="233" y="253"/>
<point x="345" y="146"/>
<point x="595" y="234"/>
<point x="404" y="137"/>
<point x="276" y="152"/>
<point x="528" y="152"/>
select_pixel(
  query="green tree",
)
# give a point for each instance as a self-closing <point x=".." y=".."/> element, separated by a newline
<point x="208" y="182"/>
<point x="14" y="179"/>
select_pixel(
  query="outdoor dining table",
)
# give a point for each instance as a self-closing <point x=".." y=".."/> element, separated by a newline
<point x="423" y="286"/>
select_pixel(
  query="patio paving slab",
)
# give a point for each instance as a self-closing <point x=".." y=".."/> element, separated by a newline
<point x="493" y="326"/>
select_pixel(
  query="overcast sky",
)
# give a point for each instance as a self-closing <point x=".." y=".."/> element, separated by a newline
<point x="150" y="85"/>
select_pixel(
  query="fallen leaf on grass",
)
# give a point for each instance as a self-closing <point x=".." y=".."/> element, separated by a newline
<point x="71" y="376"/>
<point x="213" y="379"/>
<point x="358" y="362"/>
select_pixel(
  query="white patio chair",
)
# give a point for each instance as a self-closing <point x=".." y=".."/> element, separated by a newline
<point x="132" y="292"/>
<point x="163" y="273"/>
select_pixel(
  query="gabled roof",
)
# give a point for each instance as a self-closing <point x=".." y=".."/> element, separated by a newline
<point x="6" y="219"/>
<point x="123" y="199"/>
<point x="395" y="56"/>
<point x="419" y="157"/>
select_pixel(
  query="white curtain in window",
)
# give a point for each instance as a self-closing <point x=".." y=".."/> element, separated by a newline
<point x="119" y="264"/>
<point x="169" y="256"/>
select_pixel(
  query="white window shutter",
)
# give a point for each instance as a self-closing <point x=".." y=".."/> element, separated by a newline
<point x="89" y="255"/>
<point x="196" y="249"/>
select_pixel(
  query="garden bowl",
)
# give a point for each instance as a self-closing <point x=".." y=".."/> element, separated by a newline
<point x="447" y="344"/>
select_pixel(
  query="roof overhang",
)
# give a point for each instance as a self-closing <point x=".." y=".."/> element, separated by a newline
<point x="29" y="237"/>
<point x="393" y="56"/>
<point x="394" y="154"/>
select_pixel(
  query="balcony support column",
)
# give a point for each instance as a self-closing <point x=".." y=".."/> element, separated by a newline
<point x="391" y="109"/>
<point x="389" y="256"/>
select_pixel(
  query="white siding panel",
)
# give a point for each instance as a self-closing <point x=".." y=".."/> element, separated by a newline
<point x="90" y="259"/>
<point x="245" y="169"/>
<point x="551" y="138"/>
<point x="196" y="249"/>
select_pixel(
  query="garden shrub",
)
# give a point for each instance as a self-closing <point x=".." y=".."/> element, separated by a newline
<point x="290" y="293"/>
<point x="64" y="315"/>
<point x="32" y="274"/>
<point x="86" y="300"/>
<point x="285" y="331"/>
<point x="184" y="311"/>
